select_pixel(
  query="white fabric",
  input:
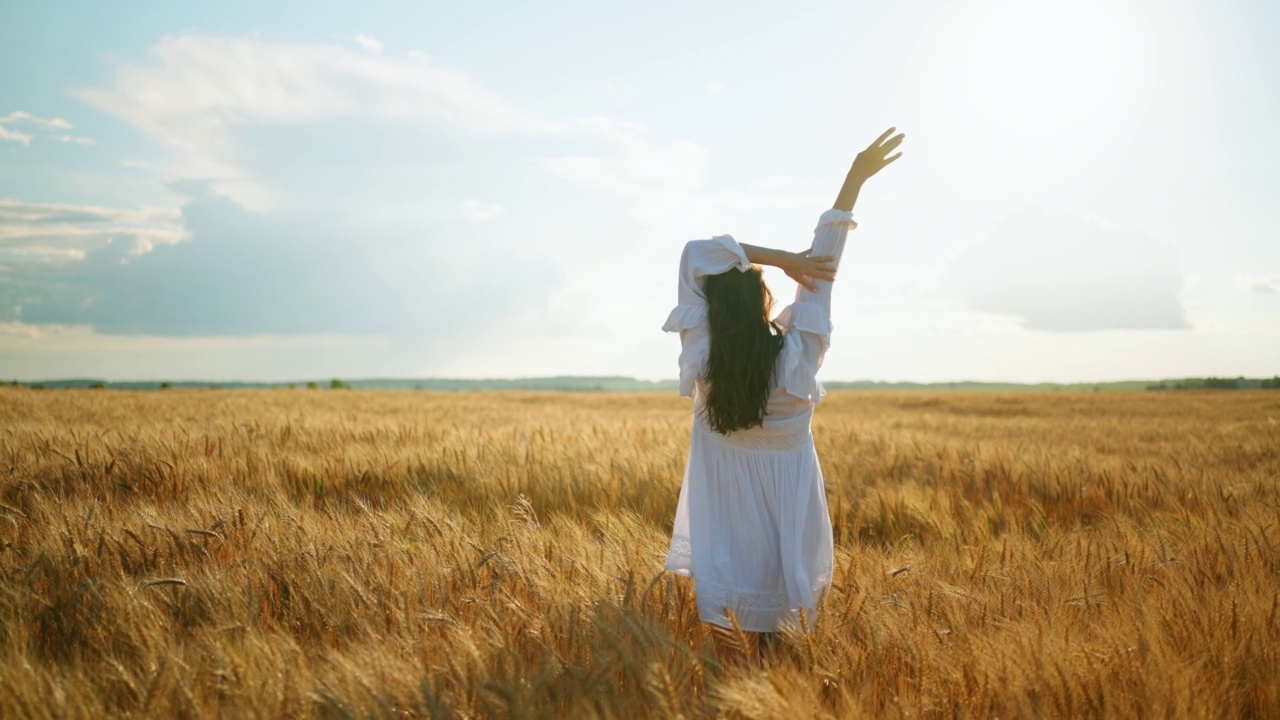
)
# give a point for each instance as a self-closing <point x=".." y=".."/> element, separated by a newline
<point x="751" y="524"/>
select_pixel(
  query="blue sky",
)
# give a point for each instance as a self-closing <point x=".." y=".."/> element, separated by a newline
<point x="251" y="191"/>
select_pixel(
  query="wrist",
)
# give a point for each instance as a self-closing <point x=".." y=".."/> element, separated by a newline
<point x="849" y="194"/>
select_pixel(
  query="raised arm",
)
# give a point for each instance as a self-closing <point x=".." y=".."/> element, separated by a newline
<point x="818" y="264"/>
<point x="834" y="225"/>
<point x="807" y="321"/>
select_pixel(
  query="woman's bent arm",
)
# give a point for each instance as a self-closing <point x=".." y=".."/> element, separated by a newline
<point x="803" y="267"/>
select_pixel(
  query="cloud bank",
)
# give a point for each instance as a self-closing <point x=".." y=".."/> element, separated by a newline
<point x="1258" y="285"/>
<point x="249" y="122"/>
<point x="244" y="273"/>
<point x="50" y="231"/>
<point x="1064" y="273"/>
<point x="199" y="95"/>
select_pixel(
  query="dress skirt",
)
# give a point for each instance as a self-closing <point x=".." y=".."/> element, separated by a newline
<point x="752" y="527"/>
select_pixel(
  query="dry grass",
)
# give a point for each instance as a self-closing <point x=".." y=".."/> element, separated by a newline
<point x="345" y="554"/>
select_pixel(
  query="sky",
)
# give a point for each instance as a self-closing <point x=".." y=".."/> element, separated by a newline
<point x="277" y="191"/>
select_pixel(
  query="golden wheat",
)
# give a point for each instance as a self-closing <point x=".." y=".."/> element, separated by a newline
<point x="349" y="554"/>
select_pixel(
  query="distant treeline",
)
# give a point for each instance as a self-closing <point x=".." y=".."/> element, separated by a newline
<point x="550" y="384"/>
<point x="627" y="384"/>
<point x="1216" y="383"/>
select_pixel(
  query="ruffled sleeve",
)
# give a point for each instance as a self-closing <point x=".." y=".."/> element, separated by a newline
<point x="800" y="362"/>
<point x="807" y="321"/>
<point x="699" y="259"/>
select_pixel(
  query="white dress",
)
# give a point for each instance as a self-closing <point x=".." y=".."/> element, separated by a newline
<point x="751" y="525"/>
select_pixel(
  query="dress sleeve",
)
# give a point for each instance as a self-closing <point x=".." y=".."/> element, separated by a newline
<point x="807" y="321"/>
<point x="699" y="259"/>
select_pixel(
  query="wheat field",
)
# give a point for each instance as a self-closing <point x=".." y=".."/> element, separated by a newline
<point x="295" y="553"/>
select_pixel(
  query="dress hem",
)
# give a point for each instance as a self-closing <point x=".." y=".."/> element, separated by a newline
<point x="755" y="611"/>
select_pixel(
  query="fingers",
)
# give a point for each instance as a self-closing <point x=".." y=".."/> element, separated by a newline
<point x="892" y="158"/>
<point x="810" y="282"/>
<point x="883" y="135"/>
<point x="825" y="271"/>
<point x="808" y="252"/>
<point x="893" y="143"/>
<point x="812" y="270"/>
<point x="808" y="277"/>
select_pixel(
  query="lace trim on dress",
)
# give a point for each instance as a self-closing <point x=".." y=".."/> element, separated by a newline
<point x="721" y="597"/>
<point x="755" y="440"/>
<point x="680" y="546"/>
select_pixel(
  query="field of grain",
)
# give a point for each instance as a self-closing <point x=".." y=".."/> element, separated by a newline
<point x="295" y="553"/>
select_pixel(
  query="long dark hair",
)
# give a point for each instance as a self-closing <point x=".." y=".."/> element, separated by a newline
<point x="744" y="349"/>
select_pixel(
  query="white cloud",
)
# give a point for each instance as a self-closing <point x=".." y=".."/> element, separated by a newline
<point x="1069" y="273"/>
<point x="40" y="125"/>
<point x="371" y="44"/>
<point x="198" y="92"/>
<point x="53" y="231"/>
<point x="24" y="330"/>
<point x="47" y="123"/>
<point x="201" y="90"/>
<point x="715" y="87"/>
<point x="647" y="170"/>
<point x="478" y="211"/>
<point x="1269" y="285"/>
<point x="14" y="136"/>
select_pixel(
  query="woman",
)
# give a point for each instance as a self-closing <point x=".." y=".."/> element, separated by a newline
<point x="751" y="525"/>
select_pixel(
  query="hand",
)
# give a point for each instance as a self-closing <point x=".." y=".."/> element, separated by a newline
<point x="876" y="157"/>
<point x="869" y="162"/>
<point x="806" y="268"/>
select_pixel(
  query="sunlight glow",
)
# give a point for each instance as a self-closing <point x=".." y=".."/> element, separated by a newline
<point x="1056" y="66"/>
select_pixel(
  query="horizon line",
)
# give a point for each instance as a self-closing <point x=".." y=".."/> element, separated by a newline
<point x="539" y="379"/>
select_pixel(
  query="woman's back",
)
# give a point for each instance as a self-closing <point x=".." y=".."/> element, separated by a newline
<point x="785" y="413"/>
